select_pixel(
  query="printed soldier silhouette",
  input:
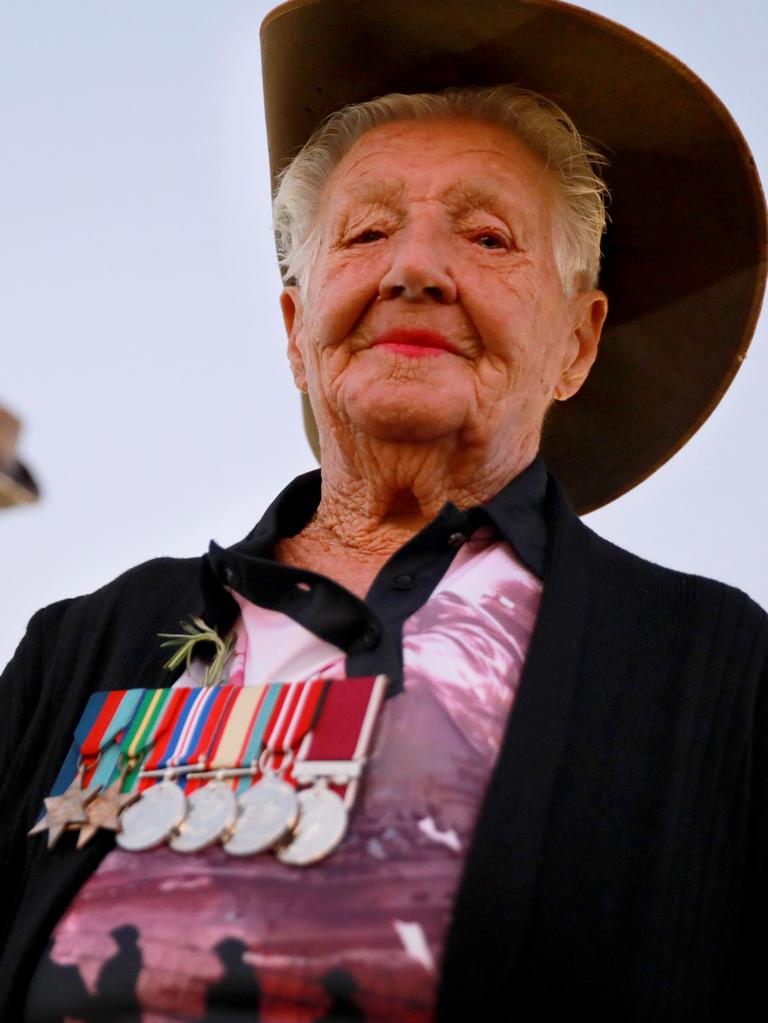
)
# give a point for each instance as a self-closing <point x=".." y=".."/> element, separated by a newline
<point x="69" y="987"/>
<point x="340" y="987"/>
<point x="116" y="985"/>
<point x="238" y="991"/>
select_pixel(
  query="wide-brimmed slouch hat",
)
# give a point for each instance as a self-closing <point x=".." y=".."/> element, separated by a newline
<point x="685" y="253"/>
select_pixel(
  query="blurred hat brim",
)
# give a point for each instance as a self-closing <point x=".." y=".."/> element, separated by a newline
<point x="17" y="485"/>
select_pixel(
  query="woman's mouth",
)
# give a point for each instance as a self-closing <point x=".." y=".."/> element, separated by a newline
<point x="414" y="343"/>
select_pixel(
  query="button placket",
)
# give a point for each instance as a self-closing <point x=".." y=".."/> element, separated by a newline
<point x="370" y="636"/>
<point x="403" y="581"/>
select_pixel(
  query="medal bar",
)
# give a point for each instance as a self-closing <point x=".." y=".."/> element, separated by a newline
<point x="255" y="768"/>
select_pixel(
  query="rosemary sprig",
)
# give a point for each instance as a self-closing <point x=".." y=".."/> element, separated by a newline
<point x="196" y="631"/>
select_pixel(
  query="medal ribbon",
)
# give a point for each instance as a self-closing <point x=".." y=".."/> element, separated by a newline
<point x="278" y="722"/>
<point x="221" y="714"/>
<point x="69" y="768"/>
<point x="245" y="720"/>
<point x="192" y="735"/>
<point x="100" y="743"/>
<point x="106" y="714"/>
<point x="147" y="725"/>
<point x="226" y="728"/>
<point x="220" y="728"/>
<point x="176" y="713"/>
<point x="237" y="736"/>
<point x="303" y="703"/>
<point x="343" y="729"/>
<point x="253" y="741"/>
<point x="114" y="713"/>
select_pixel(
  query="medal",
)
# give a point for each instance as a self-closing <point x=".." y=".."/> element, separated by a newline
<point x="101" y="749"/>
<point x="211" y="812"/>
<point x="320" y="828"/>
<point x="153" y="819"/>
<point x="77" y="787"/>
<point x="162" y="810"/>
<point x="64" y="811"/>
<point x="143" y="825"/>
<point x="268" y="811"/>
<point x="104" y="811"/>
<point x="273" y="766"/>
<point x="334" y="754"/>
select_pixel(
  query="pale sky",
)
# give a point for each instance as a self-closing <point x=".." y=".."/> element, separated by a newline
<point x="142" y="344"/>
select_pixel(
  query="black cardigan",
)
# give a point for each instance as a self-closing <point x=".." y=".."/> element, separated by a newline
<point x="618" y="866"/>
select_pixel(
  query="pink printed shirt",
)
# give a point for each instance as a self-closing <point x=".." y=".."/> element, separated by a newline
<point x="161" y="937"/>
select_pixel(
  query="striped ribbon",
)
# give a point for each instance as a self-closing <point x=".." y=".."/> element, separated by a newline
<point x="286" y="717"/>
<point x="223" y="728"/>
<point x="263" y="710"/>
<point x="220" y="717"/>
<point x="100" y="746"/>
<point x="106" y="714"/>
<point x="227" y="729"/>
<point x="68" y="770"/>
<point x="176" y="712"/>
<point x="113" y="712"/>
<point x="148" y="723"/>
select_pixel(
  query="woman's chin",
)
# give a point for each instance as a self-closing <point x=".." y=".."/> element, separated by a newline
<point x="410" y="425"/>
<point x="401" y="411"/>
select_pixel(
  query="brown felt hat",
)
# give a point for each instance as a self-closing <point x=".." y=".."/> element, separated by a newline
<point x="685" y="253"/>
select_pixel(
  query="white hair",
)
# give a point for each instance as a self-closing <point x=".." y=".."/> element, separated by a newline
<point x="573" y="163"/>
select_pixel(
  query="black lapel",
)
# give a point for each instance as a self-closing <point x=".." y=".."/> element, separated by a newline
<point x="498" y="884"/>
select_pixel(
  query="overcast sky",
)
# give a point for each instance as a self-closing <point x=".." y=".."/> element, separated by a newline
<point x="141" y="342"/>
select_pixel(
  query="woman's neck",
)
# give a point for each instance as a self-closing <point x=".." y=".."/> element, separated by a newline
<point x="376" y="499"/>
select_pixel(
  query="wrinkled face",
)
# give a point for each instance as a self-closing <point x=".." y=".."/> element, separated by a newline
<point x="434" y="308"/>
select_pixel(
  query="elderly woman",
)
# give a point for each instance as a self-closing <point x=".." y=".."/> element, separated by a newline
<point x="562" y="797"/>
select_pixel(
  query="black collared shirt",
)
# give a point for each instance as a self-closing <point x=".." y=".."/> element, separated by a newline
<point x="370" y="630"/>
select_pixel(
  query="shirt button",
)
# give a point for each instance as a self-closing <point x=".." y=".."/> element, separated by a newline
<point x="370" y="637"/>
<point x="457" y="539"/>
<point x="404" y="581"/>
<point x="232" y="575"/>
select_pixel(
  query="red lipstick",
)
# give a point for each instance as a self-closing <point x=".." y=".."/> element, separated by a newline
<point x="413" y="343"/>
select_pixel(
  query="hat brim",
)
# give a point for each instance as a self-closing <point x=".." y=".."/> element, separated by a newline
<point x="685" y="253"/>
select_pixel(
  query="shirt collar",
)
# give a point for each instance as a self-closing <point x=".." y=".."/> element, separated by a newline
<point x="517" y="512"/>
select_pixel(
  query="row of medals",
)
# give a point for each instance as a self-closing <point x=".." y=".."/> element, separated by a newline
<point x="299" y="826"/>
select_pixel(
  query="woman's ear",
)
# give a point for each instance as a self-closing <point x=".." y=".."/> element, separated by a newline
<point x="590" y="310"/>
<point x="293" y="317"/>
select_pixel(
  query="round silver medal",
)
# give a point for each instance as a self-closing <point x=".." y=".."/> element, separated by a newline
<point x="153" y="819"/>
<point x="268" y="811"/>
<point x="320" y="828"/>
<point x="211" y="812"/>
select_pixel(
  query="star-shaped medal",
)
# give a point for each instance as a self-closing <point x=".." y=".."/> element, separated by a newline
<point x="104" y="811"/>
<point x="64" y="811"/>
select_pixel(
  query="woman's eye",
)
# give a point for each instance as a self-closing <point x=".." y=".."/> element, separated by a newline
<point x="489" y="240"/>
<point x="365" y="237"/>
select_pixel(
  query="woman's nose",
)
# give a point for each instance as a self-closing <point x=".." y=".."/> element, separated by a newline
<point x="419" y="269"/>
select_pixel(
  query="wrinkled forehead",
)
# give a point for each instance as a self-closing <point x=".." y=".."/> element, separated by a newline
<point x="464" y="164"/>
